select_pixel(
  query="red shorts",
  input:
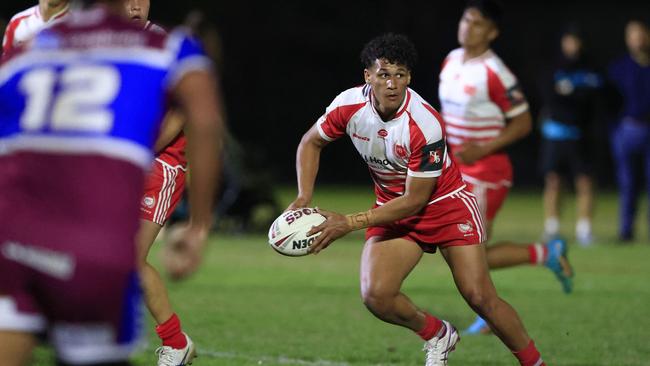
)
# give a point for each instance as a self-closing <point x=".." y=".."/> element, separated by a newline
<point x="489" y="179"/>
<point x="453" y="220"/>
<point x="77" y="283"/>
<point x="163" y="191"/>
<point x="490" y="196"/>
<point x="67" y="253"/>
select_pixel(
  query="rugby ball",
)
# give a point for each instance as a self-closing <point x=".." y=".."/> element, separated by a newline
<point x="288" y="233"/>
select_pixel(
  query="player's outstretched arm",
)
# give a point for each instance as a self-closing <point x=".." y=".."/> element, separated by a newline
<point x="307" y="161"/>
<point x="199" y="96"/>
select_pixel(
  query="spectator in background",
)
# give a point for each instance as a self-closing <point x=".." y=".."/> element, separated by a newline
<point x="631" y="138"/>
<point x="570" y="97"/>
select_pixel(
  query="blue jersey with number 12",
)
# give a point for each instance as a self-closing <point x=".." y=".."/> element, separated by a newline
<point x="92" y="84"/>
<point x="80" y="108"/>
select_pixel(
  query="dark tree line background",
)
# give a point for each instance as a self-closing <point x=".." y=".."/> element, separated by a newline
<point x="283" y="62"/>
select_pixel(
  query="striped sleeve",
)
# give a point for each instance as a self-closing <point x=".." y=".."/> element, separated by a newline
<point x="10" y="33"/>
<point x="504" y="91"/>
<point x="187" y="56"/>
<point x="428" y="150"/>
<point x="333" y="124"/>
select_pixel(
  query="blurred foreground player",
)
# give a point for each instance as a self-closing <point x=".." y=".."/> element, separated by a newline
<point x="66" y="111"/>
<point x="421" y="205"/>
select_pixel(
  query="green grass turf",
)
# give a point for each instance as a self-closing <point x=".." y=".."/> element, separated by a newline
<point x="250" y="306"/>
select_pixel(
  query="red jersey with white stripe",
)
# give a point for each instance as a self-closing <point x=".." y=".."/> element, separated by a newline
<point x="412" y="143"/>
<point x="477" y="96"/>
<point x="23" y="26"/>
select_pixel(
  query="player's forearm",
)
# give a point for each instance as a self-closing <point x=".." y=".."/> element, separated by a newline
<point x="204" y="152"/>
<point x="516" y="129"/>
<point x="389" y="212"/>
<point x="307" y="163"/>
<point x="199" y="95"/>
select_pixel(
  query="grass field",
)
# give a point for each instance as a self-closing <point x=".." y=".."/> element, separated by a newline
<point x="250" y="306"/>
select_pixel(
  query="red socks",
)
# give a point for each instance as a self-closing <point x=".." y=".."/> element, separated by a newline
<point x="170" y="333"/>
<point x="432" y="327"/>
<point x="538" y="253"/>
<point x="529" y="356"/>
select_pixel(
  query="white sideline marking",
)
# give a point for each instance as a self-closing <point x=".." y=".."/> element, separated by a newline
<point x="261" y="360"/>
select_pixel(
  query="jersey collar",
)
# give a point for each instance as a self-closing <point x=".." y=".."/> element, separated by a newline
<point x="400" y="111"/>
<point x="54" y="16"/>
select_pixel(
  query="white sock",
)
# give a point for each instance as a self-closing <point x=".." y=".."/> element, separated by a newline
<point x="552" y="225"/>
<point x="583" y="228"/>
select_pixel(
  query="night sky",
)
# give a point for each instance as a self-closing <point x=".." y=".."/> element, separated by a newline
<point x="283" y="62"/>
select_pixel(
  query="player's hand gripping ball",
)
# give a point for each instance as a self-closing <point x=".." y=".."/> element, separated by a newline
<point x="288" y="233"/>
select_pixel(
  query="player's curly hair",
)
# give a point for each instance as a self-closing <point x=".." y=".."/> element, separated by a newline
<point x="394" y="48"/>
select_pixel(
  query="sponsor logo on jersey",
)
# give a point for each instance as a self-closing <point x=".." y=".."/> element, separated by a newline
<point x="382" y="133"/>
<point x="149" y="201"/>
<point x="360" y="137"/>
<point x="57" y="264"/>
<point x="400" y="151"/>
<point x="374" y="160"/>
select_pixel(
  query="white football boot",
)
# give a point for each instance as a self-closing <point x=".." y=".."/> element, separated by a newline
<point x="168" y="356"/>
<point x="438" y="348"/>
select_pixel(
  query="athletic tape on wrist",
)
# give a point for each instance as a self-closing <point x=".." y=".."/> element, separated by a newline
<point x="360" y="220"/>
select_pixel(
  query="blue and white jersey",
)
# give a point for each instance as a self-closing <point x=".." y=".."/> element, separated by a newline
<point x="92" y="84"/>
<point x="80" y="109"/>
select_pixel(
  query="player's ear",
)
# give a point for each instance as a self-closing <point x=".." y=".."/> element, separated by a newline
<point x="494" y="33"/>
<point x="408" y="78"/>
<point x="366" y="75"/>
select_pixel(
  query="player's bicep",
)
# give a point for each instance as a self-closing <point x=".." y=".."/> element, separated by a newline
<point x="419" y="190"/>
<point x="197" y="93"/>
<point x="314" y="136"/>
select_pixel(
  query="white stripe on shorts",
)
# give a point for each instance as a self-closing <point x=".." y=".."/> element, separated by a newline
<point x="12" y="319"/>
<point x="470" y="203"/>
<point x="165" y="195"/>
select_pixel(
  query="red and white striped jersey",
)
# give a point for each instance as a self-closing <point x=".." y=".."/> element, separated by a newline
<point x="477" y="96"/>
<point x="23" y="26"/>
<point x="413" y="143"/>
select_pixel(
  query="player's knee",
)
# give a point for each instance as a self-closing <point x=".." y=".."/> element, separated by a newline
<point x="552" y="180"/>
<point x="380" y="304"/>
<point x="481" y="300"/>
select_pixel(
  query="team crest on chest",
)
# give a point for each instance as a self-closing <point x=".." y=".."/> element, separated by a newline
<point x="469" y="89"/>
<point x="382" y="133"/>
<point x="400" y="151"/>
